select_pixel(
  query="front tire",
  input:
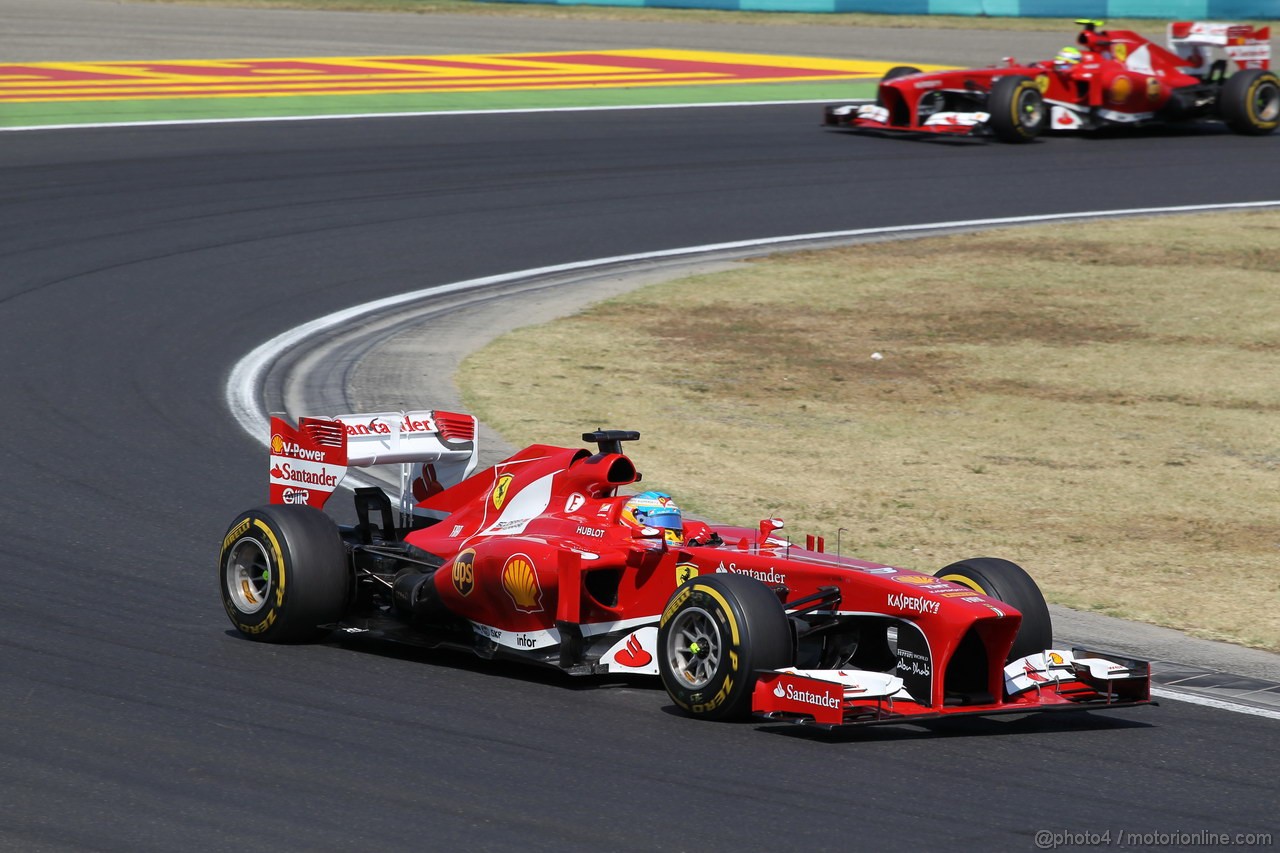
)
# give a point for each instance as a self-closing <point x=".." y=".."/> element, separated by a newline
<point x="1010" y="583"/>
<point x="1250" y="102"/>
<point x="899" y="71"/>
<point x="283" y="573"/>
<point x="716" y="632"/>
<point x="893" y="74"/>
<point x="1017" y="109"/>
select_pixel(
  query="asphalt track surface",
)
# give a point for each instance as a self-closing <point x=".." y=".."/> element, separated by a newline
<point x="139" y="264"/>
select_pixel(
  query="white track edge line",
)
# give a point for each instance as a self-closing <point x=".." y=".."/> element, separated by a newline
<point x="178" y="122"/>
<point x="1209" y="702"/>
<point x="242" y="385"/>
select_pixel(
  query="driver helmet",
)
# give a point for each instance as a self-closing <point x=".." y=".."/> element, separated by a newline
<point x="655" y="509"/>
<point x="1068" y="56"/>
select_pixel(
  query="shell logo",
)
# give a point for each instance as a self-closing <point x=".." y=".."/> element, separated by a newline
<point x="277" y="444"/>
<point x="915" y="579"/>
<point x="1120" y="90"/>
<point x="521" y="583"/>
<point x="500" y="490"/>
<point x="1056" y="659"/>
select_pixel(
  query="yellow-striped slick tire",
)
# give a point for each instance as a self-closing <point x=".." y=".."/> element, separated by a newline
<point x="283" y="572"/>
<point x="1250" y="102"/>
<point x="1017" y="109"/>
<point x="717" y="631"/>
<point x="1010" y="583"/>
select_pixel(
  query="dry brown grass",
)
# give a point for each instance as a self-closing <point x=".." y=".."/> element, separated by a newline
<point x="1097" y="403"/>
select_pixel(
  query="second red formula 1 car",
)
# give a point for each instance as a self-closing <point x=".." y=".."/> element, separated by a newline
<point x="1114" y="78"/>
<point x="544" y="559"/>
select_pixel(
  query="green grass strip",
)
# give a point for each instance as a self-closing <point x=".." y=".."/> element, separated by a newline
<point x="193" y="109"/>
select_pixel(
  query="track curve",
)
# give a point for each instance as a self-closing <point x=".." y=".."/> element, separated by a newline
<point x="141" y="264"/>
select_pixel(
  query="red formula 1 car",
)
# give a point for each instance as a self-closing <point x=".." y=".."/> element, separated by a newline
<point x="1114" y="78"/>
<point x="541" y="559"/>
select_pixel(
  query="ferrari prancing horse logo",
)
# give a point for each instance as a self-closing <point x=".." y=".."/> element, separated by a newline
<point x="500" y="490"/>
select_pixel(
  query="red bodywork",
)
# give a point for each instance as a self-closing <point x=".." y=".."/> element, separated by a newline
<point x="532" y="560"/>
<point x="536" y="554"/>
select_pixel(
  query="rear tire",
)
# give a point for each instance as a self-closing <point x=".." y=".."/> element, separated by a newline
<point x="283" y="573"/>
<point x="1017" y="109"/>
<point x="1010" y="583"/>
<point x="716" y="632"/>
<point x="1250" y="102"/>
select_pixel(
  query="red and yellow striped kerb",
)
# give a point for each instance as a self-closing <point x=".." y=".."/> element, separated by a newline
<point x="238" y="78"/>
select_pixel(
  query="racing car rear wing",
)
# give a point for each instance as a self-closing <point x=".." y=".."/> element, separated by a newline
<point x="1194" y="40"/>
<point x="434" y="450"/>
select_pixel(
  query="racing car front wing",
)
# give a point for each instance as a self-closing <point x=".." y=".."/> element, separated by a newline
<point x="868" y="115"/>
<point x="1053" y="680"/>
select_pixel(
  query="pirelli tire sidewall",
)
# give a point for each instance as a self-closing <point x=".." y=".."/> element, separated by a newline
<point x="753" y="633"/>
<point x="1250" y="102"/>
<point x="1017" y="109"/>
<point x="283" y="572"/>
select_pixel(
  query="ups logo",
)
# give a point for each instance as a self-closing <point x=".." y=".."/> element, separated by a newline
<point x="464" y="572"/>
